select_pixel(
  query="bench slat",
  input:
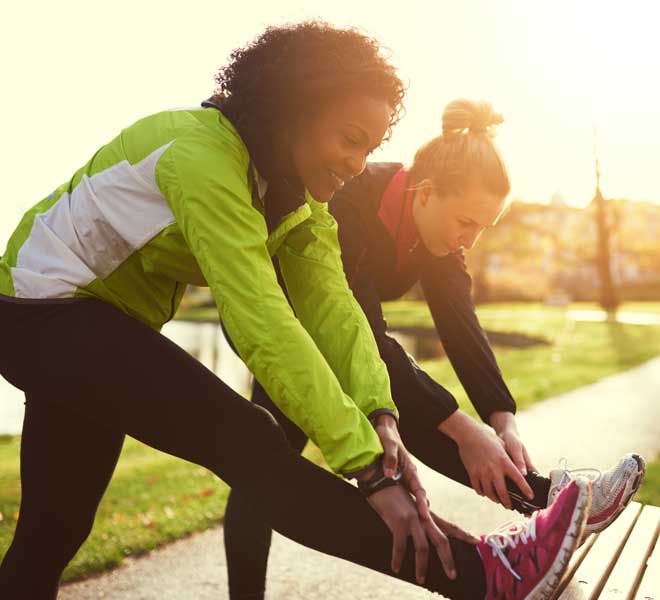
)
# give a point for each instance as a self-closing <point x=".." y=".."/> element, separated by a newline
<point x="576" y="560"/>
<point x="595" y="568"/>
<point x="649" y="589"/>
<point x="627" y="572"/>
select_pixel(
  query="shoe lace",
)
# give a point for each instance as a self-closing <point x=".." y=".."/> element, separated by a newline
<point x="511" y="534"/>
<point x="563" y="465"/>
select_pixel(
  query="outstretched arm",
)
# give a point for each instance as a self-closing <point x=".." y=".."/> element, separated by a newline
<point x="204" y="179"/>
<point x="447" y="286"/>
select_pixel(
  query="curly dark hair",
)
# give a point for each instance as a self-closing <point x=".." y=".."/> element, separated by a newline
<point x="297" y="69"/>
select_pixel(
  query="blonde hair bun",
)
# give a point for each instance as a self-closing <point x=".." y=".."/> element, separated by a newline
<point x="461" y="116"/>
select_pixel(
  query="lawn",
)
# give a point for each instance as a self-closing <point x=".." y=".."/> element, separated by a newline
<point x="154" y="498"/>
<point x="650" y="492"/>
<point x="579" y="353"/>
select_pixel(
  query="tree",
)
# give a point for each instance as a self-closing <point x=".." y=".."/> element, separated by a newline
<point x="605" y="223"/>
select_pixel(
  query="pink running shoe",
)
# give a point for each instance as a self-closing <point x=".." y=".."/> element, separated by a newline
<point x="527" y="560"/>
<point x="612" y="490"/>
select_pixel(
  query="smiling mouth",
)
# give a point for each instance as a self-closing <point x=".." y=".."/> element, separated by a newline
<point x="338" y="181"/>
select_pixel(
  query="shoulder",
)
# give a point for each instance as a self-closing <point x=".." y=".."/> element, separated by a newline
<point x="371" y="183"/>
<point x="204" y="148"/>
<point x="364" y="192"/>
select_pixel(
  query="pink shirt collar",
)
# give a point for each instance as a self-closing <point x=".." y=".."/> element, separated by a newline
<point x="395" y="213"/>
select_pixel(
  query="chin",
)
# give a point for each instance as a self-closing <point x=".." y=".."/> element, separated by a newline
<point x="441" y="251"/>
<point x="321" y="194"/>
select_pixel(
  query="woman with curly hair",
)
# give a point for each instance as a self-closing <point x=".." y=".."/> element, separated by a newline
<point x="206" y="196"/>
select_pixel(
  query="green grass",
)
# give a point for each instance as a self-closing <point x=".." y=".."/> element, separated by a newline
<point x="650" y="491"/>
<point x="502" y="316"/>
<point x="154" y="498"/>
<point x="579" y="352"/>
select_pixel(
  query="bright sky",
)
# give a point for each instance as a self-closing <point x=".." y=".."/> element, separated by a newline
<point x="76" y="72"/>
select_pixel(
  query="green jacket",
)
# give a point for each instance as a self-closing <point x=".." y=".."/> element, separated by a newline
<point x="174" y="199"/>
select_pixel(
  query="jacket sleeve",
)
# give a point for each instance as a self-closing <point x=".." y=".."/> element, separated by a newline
<point x="447" y="286"/>
<point x="310" y="262"/>
<point x="418" y="397"/>
<point x="205" y="182"/>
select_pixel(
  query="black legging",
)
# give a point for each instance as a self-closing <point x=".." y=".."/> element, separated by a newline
<point x="91" y="375"/>
<point x="247" y="535"/>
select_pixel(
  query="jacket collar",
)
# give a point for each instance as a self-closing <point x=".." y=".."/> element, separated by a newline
<point x="280" y="196"/>
<point x="395" y="213"/>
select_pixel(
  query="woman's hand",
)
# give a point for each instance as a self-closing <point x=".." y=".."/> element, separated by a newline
<point x="397" y="458"/>
<point x="504" y="424"/>
<point x="396" y="507"/>
<point x="485" y="458"/>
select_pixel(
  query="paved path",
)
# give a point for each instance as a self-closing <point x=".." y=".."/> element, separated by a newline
<point x="628" y="317"/>
<point x="591" y="426"/>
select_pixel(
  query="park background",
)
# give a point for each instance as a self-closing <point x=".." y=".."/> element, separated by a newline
<point x="567" y="285"/>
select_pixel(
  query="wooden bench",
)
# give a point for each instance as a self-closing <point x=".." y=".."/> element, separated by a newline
<point x="622" y="563"/>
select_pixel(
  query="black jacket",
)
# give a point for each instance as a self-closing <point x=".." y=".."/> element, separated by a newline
<point x="369" y="253"/>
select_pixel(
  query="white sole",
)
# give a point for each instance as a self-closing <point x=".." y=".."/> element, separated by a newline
<point x="545" y="588"/>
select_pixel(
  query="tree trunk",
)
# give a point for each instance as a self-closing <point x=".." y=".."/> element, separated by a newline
<point x="608" y="297"/>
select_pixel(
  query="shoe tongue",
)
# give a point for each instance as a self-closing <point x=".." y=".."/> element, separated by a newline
<point x="561" y="478"/>
<point x="556" y="477"/>
<point x="558" y="481"/>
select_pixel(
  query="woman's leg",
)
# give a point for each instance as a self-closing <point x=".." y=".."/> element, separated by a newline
<point x="247" y="535"/>
<point x="94" y="361"/>
<point x="66" y="464"/>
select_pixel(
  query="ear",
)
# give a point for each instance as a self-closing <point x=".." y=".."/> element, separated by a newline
<point x="423" y="192"/>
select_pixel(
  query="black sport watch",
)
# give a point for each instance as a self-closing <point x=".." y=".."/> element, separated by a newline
<point x="378" y="481"/>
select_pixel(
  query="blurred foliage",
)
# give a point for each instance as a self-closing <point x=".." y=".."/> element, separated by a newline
<point x="537" y="251"/>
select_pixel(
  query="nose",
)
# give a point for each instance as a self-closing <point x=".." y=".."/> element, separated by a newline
<point x="468" y="240"/>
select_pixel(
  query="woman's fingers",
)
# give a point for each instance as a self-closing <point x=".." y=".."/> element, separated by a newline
<point x="502" y="493"/>
<point x="450" y="529"/>
<point x="515" y="451"/>
<point x="400" y="535"/>
<point x="489" y="491"/>
<point x="421" y="550"/>
<point x="414" y="485"/>
<point x="518" y="479"/>
<point x="475" y="482"/>
<point x="423" y="504"/>
<point x="390" y="458"/>
<point x="442" y="547"/>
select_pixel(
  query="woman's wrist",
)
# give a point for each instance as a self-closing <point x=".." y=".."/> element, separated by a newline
<point x="386" y="419"/>
<point x="457" y="426"/>
<point x="365" y="473"/>
<point x="500" y="420"/>
<point x="377" y="480"/>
